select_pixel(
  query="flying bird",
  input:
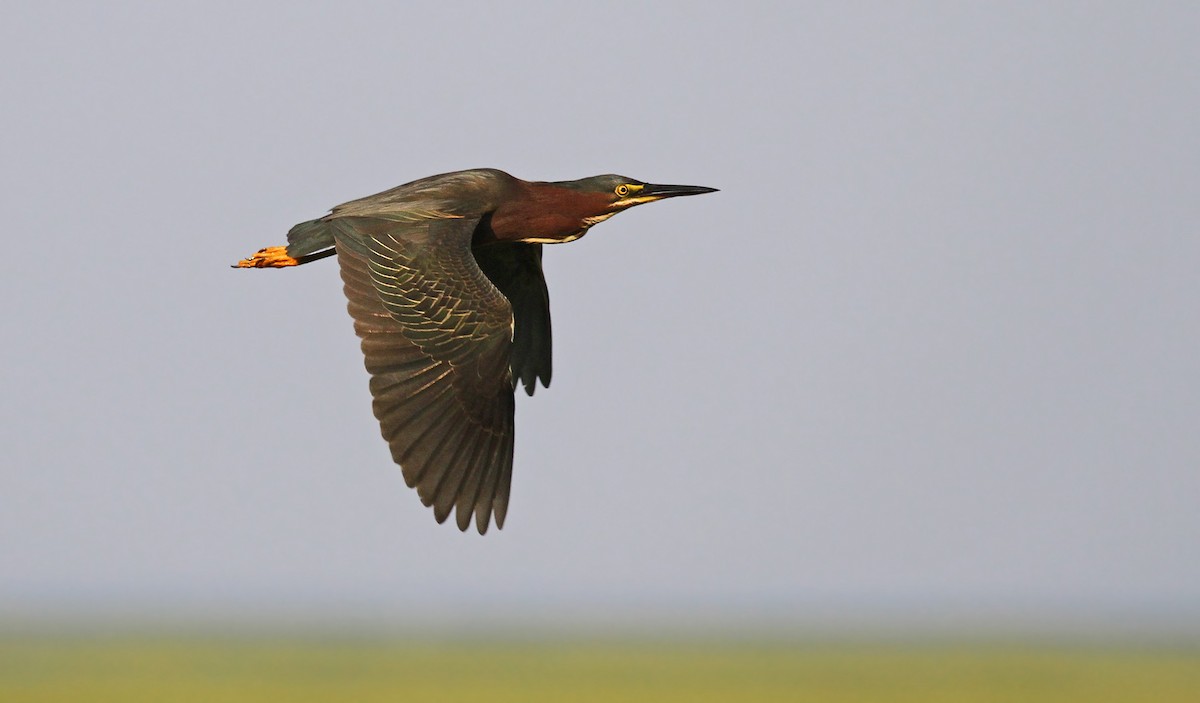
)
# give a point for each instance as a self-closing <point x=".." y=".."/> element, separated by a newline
<point x="444" y="281"/>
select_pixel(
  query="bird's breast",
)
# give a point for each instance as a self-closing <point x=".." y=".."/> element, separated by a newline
<point x="518" y="224"/>
<point x="546" y="213"/>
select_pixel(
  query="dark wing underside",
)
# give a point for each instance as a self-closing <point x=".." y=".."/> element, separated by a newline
<point x="436" y="334"/>
<point x="516" y="269"/>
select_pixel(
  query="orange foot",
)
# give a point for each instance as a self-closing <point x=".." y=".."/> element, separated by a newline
<point x="271" y="257"/>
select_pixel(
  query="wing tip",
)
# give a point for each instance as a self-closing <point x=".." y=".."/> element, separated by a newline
<point x="531" y="383"/>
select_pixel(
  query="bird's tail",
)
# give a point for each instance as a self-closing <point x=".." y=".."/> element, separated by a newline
<point x="307" y="241"/>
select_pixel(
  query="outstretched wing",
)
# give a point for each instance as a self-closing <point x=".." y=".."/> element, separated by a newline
<point x="516" y="269"/>
<point x="436" y="334"/>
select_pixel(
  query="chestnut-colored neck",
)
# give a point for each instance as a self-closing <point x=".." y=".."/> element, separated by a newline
<point x="547" y="212"/>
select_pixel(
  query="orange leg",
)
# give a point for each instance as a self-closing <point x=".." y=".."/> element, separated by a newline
<point x="270" y="257"/>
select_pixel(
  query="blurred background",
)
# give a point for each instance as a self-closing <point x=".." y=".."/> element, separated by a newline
<point x="926" y="367"/>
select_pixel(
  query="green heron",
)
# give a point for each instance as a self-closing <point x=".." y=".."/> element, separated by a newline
<point x="444" y="280"/>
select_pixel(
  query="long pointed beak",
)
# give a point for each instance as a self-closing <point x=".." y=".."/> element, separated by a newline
<point x="659" y="192"/>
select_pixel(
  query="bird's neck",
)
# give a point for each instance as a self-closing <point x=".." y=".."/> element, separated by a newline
<point x="548" y="213"/>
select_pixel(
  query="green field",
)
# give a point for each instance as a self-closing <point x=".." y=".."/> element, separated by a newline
<point x="216" y="670"/>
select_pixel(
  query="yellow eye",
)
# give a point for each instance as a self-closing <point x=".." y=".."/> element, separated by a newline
<point x="622" y="190"/>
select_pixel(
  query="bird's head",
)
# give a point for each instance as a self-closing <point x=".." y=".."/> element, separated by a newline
<point x="621" y="192"/>
<point x="562" y="211"/>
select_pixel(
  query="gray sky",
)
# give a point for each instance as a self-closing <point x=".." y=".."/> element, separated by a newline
<point x="933" y="347"/>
